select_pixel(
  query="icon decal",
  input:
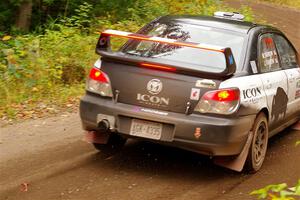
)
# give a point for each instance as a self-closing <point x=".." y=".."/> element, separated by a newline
<point x="154" y="86"/>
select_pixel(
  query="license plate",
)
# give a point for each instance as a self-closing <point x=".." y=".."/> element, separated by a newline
<point x="146" y="129"/>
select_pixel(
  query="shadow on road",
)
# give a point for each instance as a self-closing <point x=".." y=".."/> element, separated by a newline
<point x="147" y="157"/>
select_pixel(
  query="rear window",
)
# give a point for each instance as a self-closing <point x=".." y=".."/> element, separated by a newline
<point x="197" y="59"/>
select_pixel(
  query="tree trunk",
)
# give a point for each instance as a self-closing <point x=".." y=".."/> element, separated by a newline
<point x="23" y="21"/>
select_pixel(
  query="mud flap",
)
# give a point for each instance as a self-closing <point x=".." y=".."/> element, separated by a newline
<point x="235" y="163"/>
<point x="95" y="137"/>
<point x="296" y="127"/>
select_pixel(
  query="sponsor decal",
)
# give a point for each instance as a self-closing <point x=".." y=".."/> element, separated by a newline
<point x="279" y="104"/>
<point x="270" y="55"/>
<point x="253" y="66"/>
<point x="154" y="86"/>
<point x="206" y="83"/>
<point x="154" y="111"/>
<point x="251" y="93"/>
<point x="197" y="133"/>
<point x="195" y="94"/>
<point x="270" y="58"/>
<point x="153" y="100"/>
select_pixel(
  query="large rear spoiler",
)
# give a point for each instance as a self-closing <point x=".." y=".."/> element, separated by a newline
<point x="103" y="48"/>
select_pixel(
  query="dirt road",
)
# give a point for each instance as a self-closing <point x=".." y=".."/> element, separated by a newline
<point x="50" y="157"/>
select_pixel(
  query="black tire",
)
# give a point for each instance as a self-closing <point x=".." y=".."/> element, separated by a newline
<point x="259" y="144"/>
<point x="115" y="144"/>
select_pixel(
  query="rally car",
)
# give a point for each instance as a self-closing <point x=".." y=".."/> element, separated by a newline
<point x="216" y="85"/>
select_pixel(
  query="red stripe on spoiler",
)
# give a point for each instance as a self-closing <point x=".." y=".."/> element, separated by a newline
<point x="136" y="36"/>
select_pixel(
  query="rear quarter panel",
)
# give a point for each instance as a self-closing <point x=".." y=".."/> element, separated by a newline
<point x="252" y="95"/>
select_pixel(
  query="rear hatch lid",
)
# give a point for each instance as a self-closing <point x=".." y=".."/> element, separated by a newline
<point x="156" y="89"/>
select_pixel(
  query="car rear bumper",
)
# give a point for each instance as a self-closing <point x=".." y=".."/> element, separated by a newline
<point x="219" y="136"/>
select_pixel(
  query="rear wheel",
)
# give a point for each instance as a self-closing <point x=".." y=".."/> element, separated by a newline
<point x="258" y="148"/>
<point x="114" y="144"/>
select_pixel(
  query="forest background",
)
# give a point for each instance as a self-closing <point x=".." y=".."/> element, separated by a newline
<point x="47" y="46"/>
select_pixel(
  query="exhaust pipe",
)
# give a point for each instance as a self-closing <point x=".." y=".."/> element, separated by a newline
<point x="101" y="135"/>
<point x="104" y="125"/>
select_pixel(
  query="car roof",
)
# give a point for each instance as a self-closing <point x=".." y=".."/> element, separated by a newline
<point x="216" y="22"/>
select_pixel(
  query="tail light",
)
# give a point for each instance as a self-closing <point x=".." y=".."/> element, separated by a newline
<point x="225" y="101"/>
<point x="98" y="82"/>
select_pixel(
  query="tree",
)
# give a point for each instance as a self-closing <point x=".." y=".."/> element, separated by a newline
<point x="23" y="20"/>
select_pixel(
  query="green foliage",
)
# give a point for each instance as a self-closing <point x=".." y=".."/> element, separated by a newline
<point x="6" y="15"/>
<point x="278" y="192"/>
<point x="82" y="18"/>
<point x="37" y="67"/>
